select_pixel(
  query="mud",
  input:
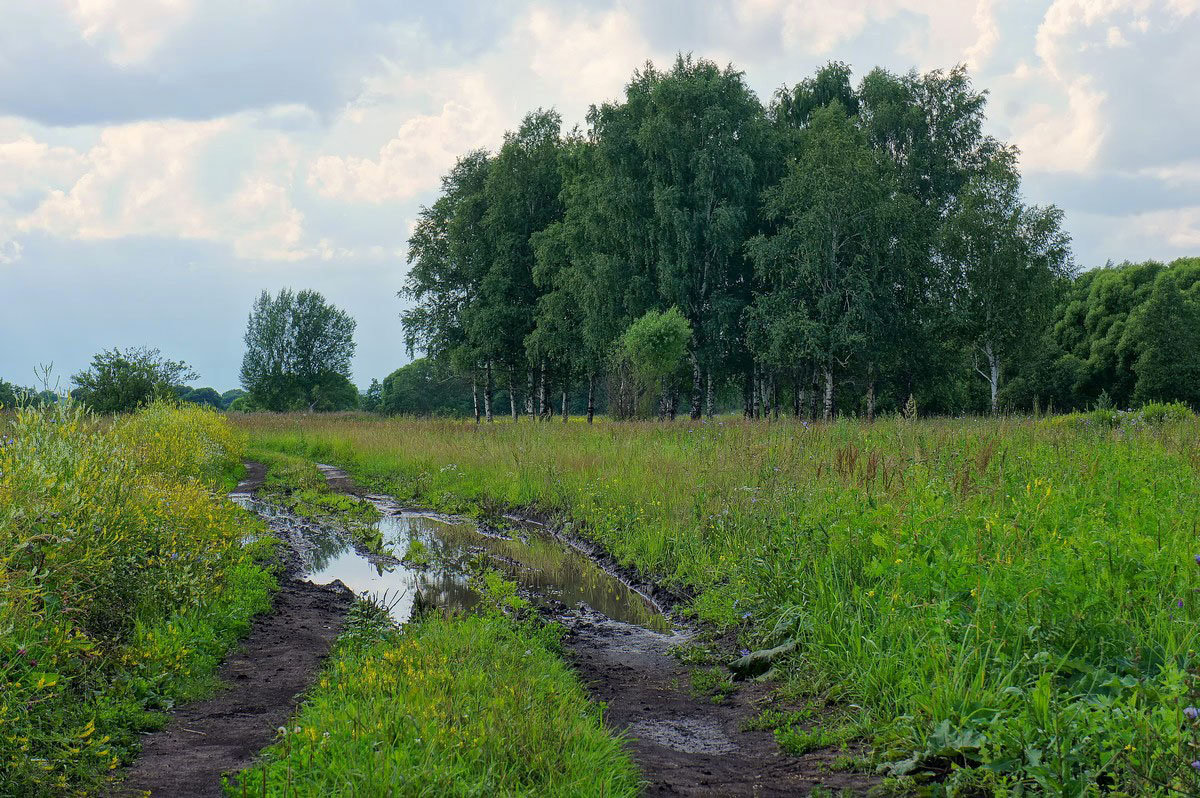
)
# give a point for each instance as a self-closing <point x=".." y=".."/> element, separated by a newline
<point x="684" y="743"/>
<point x="263" y="680"/>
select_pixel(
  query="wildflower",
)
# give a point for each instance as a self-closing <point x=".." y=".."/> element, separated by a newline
<point x="1179" y="603"/>
<point x="1191" y="713"/>
<point x="744" y="652"/>
<point x="1196" y="764"/>
<point x="282" y="730"/>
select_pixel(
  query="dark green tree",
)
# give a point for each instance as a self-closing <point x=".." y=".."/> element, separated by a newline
<point x="122" y="380"/>
<point x="298" y="353"/>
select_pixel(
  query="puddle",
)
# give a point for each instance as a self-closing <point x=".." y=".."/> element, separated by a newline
<point x="549" y="570"/>
<point x="688" y="735"/>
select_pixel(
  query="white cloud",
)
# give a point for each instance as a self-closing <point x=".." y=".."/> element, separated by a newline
<point x="156" y="179"/>
<point x="949" y="36"/>
<point x="548" y="59"/>
<point x="1178" y="227"/>
<point x="129" y="31"/>
<point x="413" y="160"/>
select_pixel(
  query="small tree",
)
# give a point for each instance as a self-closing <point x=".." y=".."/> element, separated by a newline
<point x="298" y="351"/>
<point x="120" y="381"/>
<point x="650" y="354"/>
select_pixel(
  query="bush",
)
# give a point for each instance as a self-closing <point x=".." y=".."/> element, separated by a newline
<point x="123" y="580"/>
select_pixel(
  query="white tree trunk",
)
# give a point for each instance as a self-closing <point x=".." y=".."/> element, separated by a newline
<point x="487" y="391"/>
<point x="828" y="411"/>
<point x="475" y="394"/>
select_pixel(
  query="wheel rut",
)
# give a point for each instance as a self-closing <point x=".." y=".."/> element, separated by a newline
<point x="262" y="682"/>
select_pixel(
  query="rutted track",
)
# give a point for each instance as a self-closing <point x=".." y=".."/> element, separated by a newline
<point x="684" y="743"/>
<point x="264" y="679"/>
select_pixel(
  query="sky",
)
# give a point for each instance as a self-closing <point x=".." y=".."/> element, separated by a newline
<point x="164" y="161"/>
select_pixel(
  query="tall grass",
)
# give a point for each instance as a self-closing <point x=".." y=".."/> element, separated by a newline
<point x="123" y="581"/>
<point x="1011" y="593"/>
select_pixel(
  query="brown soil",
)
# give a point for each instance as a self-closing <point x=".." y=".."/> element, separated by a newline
<point x="684" y="743"/>
<point x="263" y="680"/>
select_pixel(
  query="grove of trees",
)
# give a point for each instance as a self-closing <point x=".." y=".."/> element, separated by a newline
<point x="840" y="247"/>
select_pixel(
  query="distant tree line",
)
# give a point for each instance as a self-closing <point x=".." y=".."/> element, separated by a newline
<point x="840" y="248"/>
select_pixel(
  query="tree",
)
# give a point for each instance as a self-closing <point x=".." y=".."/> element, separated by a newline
<point x="522" y="191"/>
<point x="425" y="388"/>
<point x="231" y="396"/>
<point x="298" y="352"/>
<point x="372" y="400"/>
<point x="202" y="396"/>
<point x="653" y="350"/>
<point x="1166" y="330"/>
<point x="703" y="138"/>
<point x="819" y="265"/>
<point x="122" y="380"/>
<point x="1008" y="261"/>
<point x="449" y="254"/>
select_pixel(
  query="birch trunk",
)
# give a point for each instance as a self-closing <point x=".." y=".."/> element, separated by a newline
<point x="475" y="394"/>
<point x="697" y="388"/>
<point x="591" y="397"/>
<point x="529" y="395"/>
<point x="488" y="391"/>
<point x="708" y="399"/>
<point x="564" y="404"/>
<point x="871" y="393"/>
<point x="828" y="410"/>
<point x="542" y="391"/>
<point x="512" y="397"/>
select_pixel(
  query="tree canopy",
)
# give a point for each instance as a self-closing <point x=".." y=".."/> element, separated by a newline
<point x="122" y="380"/>
<point x="298" y="353"/>
<point x="851" y="246"/>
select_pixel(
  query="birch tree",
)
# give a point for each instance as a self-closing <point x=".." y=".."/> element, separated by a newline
<point x="1006" y="259"/>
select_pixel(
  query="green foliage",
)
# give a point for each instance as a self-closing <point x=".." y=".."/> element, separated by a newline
<point x="656" y="343"/>
<point x="122" y="380"/>
<point x="298" y="352"/>
<point x="422" y="389"/>
<point x="123" y="582"/>
<point x="1005" y="602"/>
<point x="467" y="705"/>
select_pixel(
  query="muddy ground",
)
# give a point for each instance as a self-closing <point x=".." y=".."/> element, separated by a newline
<point x="263" y="680"/>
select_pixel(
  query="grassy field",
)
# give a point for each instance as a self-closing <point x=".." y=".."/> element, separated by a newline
<point x="123" y="582"/>
<point x="1009" y="602"/>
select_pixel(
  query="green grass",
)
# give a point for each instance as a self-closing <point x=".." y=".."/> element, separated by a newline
<point x="123" y="582"/>
<point x="1022" y="592"/>
<point x="460" y="706"/>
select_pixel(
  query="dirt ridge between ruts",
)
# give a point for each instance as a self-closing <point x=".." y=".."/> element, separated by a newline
<point x="685" y="744"/>
<point x="263" y="679"/>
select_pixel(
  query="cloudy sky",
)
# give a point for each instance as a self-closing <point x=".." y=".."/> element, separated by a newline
<point x="163" y="161"/>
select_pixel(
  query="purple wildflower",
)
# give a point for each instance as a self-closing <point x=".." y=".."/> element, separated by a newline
<point x="744" y="652"/>
<point x="1179" y="603"/>
<point x="1196" y="764"/>
<point x="1191" y="713"/>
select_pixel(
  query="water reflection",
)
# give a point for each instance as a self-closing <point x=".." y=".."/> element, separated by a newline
<point x="529" y="556"/>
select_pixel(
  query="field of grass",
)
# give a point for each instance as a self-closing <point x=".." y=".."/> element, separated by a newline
<point x="123" y="582"/>
<point x="1001" y="603"/>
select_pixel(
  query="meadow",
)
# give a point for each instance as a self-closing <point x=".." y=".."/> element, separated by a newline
<point x="1001" y="604"/>
<point x="123" y="583"/>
